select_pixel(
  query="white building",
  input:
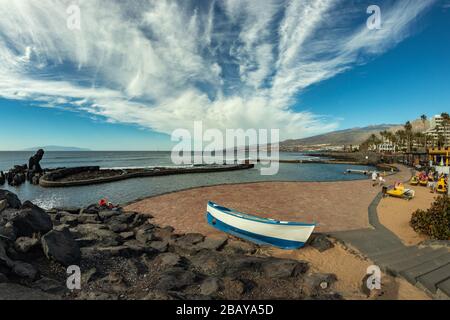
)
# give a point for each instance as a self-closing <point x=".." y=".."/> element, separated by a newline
<point x="438" y="129"/>
<point x="387" y="147"/>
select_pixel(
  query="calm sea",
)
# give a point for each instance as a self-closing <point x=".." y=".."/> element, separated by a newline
<point x="128" y="190"/>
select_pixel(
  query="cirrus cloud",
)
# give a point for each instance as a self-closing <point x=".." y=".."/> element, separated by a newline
<point x="164" y="64"/>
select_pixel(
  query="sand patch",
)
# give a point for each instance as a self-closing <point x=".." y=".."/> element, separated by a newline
<point x="395" y="214"/>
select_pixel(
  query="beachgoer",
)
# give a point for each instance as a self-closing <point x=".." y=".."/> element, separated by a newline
<point x="374" y="178"/>
<point x="381" y="180"/>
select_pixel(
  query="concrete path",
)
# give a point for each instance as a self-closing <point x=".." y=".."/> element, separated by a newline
<point x="426" y="267"/>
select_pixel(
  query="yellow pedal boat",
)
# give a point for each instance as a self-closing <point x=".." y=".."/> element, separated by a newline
<point x="441" y="187"/>
<point x="399" y="191"/>
<point x="423" y="182"/>
<point x="414" y="181"/>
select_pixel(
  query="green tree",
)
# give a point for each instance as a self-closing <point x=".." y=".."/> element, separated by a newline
<point x="409" y="134"/>
<point x="424" y="118"/>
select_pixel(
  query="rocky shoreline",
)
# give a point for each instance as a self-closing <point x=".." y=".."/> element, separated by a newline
<point x="123" y="255"/>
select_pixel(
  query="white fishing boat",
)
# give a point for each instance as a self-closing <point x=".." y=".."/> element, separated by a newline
<point x="281" y="234"/>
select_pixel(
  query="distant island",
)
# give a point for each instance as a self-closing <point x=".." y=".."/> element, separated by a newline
<point x="56" y="148"/>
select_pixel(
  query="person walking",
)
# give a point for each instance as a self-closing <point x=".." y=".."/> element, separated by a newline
<point x="374" y="178"/>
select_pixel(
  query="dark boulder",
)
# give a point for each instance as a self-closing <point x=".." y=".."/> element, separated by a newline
<point x="118" y="227"/>
<point x="176" y="279"/>
<point x="88" y="218"/>
<point x="160" y="246"/>
<point x="240" y="247"/>
<point x="18" y="179"/>
<point x="5" y="261"/>
<point x="61" y="247"/>
<point x="136" y="248"/>
<point x="122" y="218"/>
<point x="209" y="262"/>
<point x="240" y="263"/>
<point x="107" y="214"/>
<point x="145" y="234"/>
<point x="69" y="219"/>
<point x="30" y="220"/>
<point x="11" y="291"/>
<point x="49" y="286"/>
<point x="187" y="243"/>
<point x="283" y="268"/>
<point x="126" y="235"/>
<point x="212" y="243"/>
<point x="3" y="205"/>
<point x="35" y="179"/>
<point x="138" y="220"/>
<point x="72" y="210"/>
<point x="321" y="242"/>
<point x="92" y="209"/>
<point x="166" y="233"/>
<point x="170" y="259"/>
<point x="25" y="270"/>
<point x="97" y="233"/>
<point x="11" y="198"/>
<point x="7" y="232"/>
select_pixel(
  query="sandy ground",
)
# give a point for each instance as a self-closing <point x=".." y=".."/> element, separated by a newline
<point x="395" y="214"/>
<point x="336" y="206"/>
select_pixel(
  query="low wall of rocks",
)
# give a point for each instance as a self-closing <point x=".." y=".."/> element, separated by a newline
<point x="51" y="180"/>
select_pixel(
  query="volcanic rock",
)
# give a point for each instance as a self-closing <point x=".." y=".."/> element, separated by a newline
<point x="11" y="198"/>
<point x="321" y="242"/>
<point x="30" y="220"/>
<point x="61" y="247"/>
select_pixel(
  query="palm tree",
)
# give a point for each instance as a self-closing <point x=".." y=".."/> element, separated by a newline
<point x="409" y="134"/>
<point x="424" y="118"/>
<point x="420" y="138"/>
<point x="401" y="137"/>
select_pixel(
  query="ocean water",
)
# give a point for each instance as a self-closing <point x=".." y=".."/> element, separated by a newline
<point x="128" y="190"/>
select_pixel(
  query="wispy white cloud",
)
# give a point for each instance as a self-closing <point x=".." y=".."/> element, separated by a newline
<point x="164" y="64"/>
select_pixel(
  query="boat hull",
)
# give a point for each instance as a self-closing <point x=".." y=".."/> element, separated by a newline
<point x="284" y="235"/>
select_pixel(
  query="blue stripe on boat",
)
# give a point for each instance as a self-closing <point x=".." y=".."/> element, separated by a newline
<point x="253" y="237"/>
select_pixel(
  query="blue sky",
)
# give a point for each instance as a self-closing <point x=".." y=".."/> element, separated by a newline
<point x="136" y="72"/>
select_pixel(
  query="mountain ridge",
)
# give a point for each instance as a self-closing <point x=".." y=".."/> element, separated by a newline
<point x="352" y="136"/>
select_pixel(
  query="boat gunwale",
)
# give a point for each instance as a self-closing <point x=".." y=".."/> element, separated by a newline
<point x="254" y="218"/>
